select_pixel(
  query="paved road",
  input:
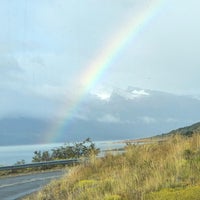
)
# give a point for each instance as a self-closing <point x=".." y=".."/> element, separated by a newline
<point x="12" y="188"/>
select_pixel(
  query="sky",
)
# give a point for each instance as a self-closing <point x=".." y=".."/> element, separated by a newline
<point x="47" y="46"/>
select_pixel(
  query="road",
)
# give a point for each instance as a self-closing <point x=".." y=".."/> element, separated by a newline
<point x="16" y="187"/>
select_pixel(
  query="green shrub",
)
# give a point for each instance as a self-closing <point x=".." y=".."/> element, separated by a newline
<point x="77" y="150"/>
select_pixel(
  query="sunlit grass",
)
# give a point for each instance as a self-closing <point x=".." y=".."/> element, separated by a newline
<point x="160" y="170"/>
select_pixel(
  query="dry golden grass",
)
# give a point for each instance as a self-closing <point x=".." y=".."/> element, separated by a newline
<point x="143" y="172"/>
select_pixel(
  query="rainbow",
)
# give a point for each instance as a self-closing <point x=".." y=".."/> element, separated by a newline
<point x="94" y="70"/>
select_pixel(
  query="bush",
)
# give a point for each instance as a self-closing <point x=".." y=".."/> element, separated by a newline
<point x="82" y="149"/>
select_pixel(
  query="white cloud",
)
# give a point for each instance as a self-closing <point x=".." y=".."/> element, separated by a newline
<point x="108" y="118"/>
<point x="102" y="95"/>
<point x="81" y="117"/>
<point x="148" y="120"/>
<point x="139" y="93"/>
<point x="172" y="120"/>
<point x="131" y="95"/>
<point x="102" y="91"/>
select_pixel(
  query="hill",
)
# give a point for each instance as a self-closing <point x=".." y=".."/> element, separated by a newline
<point x="186" y="131"/>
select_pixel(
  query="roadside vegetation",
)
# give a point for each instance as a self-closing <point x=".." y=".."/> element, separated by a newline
<point x="68" y="151"/>
<point x="164" y="170"/>
<point x="77" y="150"/>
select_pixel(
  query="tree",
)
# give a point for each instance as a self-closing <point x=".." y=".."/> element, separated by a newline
<point x="81" y="149"/>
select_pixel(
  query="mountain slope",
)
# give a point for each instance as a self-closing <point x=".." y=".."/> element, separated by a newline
<point x="187" y="131"/>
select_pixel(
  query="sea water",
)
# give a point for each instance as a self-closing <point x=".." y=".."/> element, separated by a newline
<point x="10" y="155"/>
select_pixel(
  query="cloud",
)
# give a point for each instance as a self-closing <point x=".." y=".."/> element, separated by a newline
<point x="8" y="65"/>
<point x="108" y="118"/>
<point x="148" y="120"/>
<point x="38" y="61"/>
<point x="102" y="95"/>
<point x="172" y="120"/>
<point x="81" y="117"/>
<point x="47" y="91"/>
<point x="10" y="71"/>
<point x="24" y="102"/>
<point x="19" y="47"/>
<point x="139" y="93"/>
<point x="131" y="94"/>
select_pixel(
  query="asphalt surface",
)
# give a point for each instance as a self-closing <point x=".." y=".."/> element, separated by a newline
<point x="16" y="187"/>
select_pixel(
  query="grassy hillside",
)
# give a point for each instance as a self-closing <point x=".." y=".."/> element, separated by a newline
<point x="186" y="131"/>
<point x="153" y="171"/>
